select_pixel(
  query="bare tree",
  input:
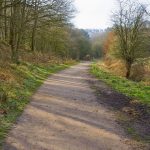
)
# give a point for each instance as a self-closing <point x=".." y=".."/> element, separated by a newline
<point x="48" y="13"/>
<point x="128" y="24"/>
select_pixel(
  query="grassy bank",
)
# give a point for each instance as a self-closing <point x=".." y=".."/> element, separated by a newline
<point x="135" y="90"/>
<point x="17" y="84"/>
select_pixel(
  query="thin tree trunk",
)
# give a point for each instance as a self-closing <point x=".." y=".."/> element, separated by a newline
<point x="1" y="21"/>
<point x="34" y="26"/>
<point x="14" y="32"/>
<point x="5" y="13"/>
<point x="34" y="35"/>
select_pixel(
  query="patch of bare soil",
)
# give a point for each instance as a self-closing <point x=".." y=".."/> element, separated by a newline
<point x="65" y="114"/>
<point x="132" y="115"/>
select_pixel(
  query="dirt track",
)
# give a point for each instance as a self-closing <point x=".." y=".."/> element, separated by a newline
<point x="64" y="115"/>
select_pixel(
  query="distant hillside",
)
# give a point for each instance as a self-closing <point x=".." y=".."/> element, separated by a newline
<point x="93" y="32"/>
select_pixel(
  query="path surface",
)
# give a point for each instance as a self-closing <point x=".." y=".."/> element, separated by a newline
<point x="64" y="115"/>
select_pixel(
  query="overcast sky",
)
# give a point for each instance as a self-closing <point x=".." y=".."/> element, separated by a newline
<point x="94" y="14"/>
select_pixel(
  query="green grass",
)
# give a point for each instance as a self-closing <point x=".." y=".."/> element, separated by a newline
<point x="28" y="78"/>
<point x="135" y="90"/>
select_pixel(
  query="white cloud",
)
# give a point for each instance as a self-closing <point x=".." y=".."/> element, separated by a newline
<point x="94" y="13"/>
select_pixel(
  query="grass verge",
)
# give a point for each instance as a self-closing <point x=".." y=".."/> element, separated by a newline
<point x="137" y="91"/>
<point x="26" y="78"/>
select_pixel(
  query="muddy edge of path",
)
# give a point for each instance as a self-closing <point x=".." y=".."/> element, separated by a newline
<point x="133" y="116"/>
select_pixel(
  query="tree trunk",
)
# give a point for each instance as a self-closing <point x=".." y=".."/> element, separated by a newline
<point x="14" y="56"/>
<point x="128" y="67"/>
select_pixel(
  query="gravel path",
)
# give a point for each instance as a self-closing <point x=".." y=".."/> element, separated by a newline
<point x="64" y="115"/>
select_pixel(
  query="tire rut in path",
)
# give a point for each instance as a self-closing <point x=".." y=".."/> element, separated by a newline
<point x="64" y="115"/>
